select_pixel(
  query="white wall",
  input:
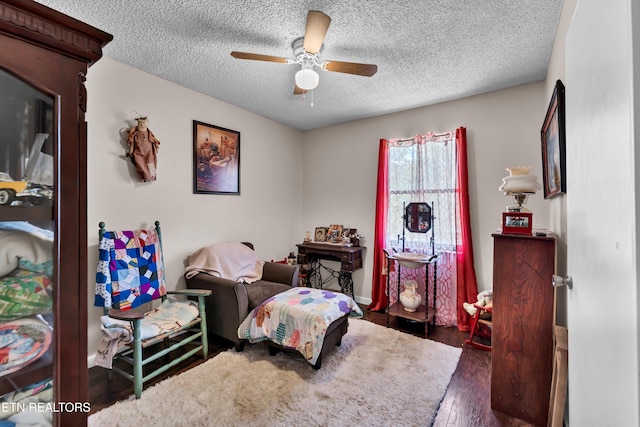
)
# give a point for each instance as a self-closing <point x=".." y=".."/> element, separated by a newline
<point x="503" y="129"/>
<point x="268" y="211"/>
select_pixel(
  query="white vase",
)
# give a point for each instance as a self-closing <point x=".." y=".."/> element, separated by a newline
<point x="410" y="298"/>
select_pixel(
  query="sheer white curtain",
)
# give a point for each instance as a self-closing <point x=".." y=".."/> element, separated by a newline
<point x="423" y="169"/>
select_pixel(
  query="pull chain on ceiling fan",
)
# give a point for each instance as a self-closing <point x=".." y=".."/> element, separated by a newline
<point x="307" y="53"/>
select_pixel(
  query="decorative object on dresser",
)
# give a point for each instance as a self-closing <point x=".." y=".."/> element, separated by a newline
<point x="216" y="160"/>
<point x="523" y="322"/>
<point x="44" y="57"/>
<point x="282" y="390"/>
<point x="519" y="184"/>
<point x="517" y="223"/>
<point x="553" y="145"/>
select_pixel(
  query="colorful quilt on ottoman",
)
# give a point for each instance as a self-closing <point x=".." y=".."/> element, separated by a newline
<point x="298" y="319"/>
<point x="130" y="269"/>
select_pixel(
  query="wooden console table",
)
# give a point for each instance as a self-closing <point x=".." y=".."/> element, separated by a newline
<point x="350" y="259"/>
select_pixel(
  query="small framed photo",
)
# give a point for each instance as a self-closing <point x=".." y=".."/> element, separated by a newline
<point x="517" y="223"/>
<point x="554" y="146"/>
<point x="321" y="234"/>
<point x="334" y="234"/>
<point x="216" y="160"/>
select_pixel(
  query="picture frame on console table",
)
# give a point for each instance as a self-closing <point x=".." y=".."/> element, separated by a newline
<point x="554" y="145"/>
<point x="216" y="160"/>
<point x="320" y="234"/>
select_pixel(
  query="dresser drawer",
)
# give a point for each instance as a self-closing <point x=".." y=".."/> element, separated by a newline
<point x="350" y="257"/>
<point x="351" y="266"/>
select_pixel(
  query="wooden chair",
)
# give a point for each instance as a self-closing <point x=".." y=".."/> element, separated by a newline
<point x="131" y="274"/>
<point x="480" y="319"/>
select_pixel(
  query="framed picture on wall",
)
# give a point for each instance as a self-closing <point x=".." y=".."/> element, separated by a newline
<point x="216" y="159"/>
<point x="553" y="145"/>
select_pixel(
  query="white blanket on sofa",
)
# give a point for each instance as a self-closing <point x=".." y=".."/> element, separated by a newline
<point x="229" y="260"/>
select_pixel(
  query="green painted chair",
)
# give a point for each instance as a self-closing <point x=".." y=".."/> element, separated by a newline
<point x="129" y="278"/>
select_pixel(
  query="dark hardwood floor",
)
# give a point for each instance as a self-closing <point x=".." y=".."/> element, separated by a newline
<point x="466" y="403"/>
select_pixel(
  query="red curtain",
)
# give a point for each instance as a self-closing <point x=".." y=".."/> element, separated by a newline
<point x="379" y="285"/>
<point x="467" y="287"/>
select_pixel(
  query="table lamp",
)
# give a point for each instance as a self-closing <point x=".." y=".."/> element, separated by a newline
<point x="519" y="184"/>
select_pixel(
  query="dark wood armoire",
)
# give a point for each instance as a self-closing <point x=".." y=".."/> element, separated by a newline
<point x="44" y="56"/>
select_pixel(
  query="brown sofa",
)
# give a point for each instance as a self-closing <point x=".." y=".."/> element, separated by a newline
<point x="230" y="302"/>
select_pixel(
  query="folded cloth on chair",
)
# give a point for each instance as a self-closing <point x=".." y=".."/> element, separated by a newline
<point x="171" y="315"/>
<point x="229" y="260"/>
<point x="130" y="269"/>
<point x="298" y="319"/>
<point x="112" y="338"/>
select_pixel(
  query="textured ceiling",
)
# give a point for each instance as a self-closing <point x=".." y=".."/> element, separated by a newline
<point x="427" y="51"/>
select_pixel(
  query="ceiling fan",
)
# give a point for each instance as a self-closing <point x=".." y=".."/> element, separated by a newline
<point x="307" y="53"/>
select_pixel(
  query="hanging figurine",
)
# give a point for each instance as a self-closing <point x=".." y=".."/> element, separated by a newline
<point x="143" y="149"/>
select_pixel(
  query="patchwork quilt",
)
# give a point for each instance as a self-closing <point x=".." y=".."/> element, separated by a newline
<point x="298" y="319"/>
<point x="130" y="269"/>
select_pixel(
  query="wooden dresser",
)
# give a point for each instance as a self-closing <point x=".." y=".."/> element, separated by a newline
<point x="523" y="321"/>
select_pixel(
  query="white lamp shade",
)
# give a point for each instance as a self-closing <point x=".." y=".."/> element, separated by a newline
<point x="519" y="181"/>
<point x="307" y="79"/>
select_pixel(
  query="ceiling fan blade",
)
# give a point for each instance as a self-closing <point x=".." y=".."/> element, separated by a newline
<point x="317" y="26"/>
<point x="367" y="70"/>
<point x="299" y="91"/>
<point x="258" y="57"/>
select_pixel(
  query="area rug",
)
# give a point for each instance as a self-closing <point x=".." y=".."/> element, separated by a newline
<point x="377" y="377"/>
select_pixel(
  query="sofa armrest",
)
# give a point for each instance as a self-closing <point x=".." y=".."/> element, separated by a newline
<point x="227" y="306"/>
<point x="280" y="273"/>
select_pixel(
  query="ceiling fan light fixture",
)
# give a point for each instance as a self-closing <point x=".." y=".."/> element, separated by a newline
<point x="307" y="79"/>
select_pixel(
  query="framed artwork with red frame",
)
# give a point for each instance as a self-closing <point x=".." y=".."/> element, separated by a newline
<point x="517" y="223"/>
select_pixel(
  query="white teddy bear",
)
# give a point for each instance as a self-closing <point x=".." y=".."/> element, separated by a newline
<point x="485" y="299"/>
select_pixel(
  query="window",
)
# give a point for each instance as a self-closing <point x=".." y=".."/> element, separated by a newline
<point x="429" y="168"/>
<point x="423" y="169"/>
